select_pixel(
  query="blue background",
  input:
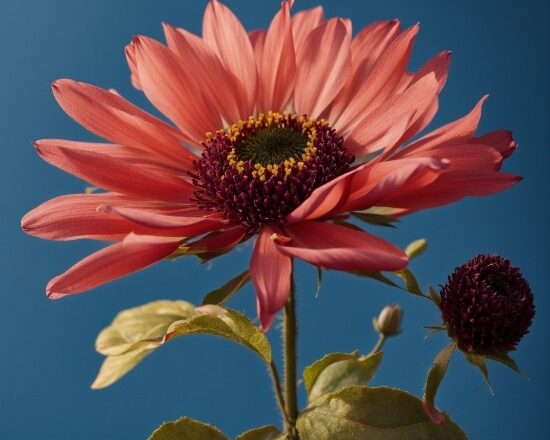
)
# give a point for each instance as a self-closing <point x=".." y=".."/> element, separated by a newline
<point x="48" y="360"/>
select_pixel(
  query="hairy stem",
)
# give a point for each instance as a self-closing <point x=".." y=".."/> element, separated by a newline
<point x="278" y="392"/>
<point x="289" y="342"/>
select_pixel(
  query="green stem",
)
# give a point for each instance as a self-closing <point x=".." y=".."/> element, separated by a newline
<point x="278" y="392"/>
<point x="289" y="343"/>
<point x="378" y="346"/>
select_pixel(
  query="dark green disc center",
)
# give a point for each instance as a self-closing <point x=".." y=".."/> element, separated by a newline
<point x="273" y="146"/>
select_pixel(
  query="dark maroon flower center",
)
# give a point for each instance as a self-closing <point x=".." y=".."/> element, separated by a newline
<point x="487" y="305"/>
<point x="258" y="171"/>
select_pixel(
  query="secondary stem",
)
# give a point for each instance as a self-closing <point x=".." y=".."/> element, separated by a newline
<point x="289" y="341"/>
<point x="278" y="392"/>
<point x="378" y="346"/>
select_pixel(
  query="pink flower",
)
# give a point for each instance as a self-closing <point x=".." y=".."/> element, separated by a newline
<point x="276" y="133"/>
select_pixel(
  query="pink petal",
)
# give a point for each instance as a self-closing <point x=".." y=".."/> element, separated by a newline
<point x="465" y="157"/>
<point x="450" y="187"/>
<point x="377" y="87"/>
<point x="455" y="132"/>
<point x="220" y="240"/>
<point x="130" y="155"/>
<point x="115" y="174"/>
<point x="115" y="119"/>
<point x="134" y="253"/>
<point x="130" y="51"/>
<point x="372" y="184"/>
<point x="174" y="89"/>
<point x="270" y="272"/>
<point x="257" y="38"/>
<point x="200" y="61"/>
<point x="303" y="23"/>
<point x="75" y="216"/>
<point x="371" y="43"/>
<point x="501" y="140"/>
<point x="372" y="133"/>
<point x="179" y="225"/>
<point x="324" y="63"/>
<point x="366" y="50"/>
<point x="439" y="66"/>
<point x="277" y="68"/>
<point x="225" y="34"/>
<point x="323" y="200"/>
<point x="341" y="248"/>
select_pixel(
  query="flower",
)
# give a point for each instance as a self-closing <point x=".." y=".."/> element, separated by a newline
<point x="276" y="134"/>
<point x="389" y="320"/>
<point x="487" y="305"/>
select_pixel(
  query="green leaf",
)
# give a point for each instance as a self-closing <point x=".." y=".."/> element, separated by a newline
<point x="136" y="332"/>
<point x="436" y="375"/>
<point x="411" y="285"/>
<point x="312" y="371"/>
<point x="359" y="413"/>
<point x="319" y="280"/>
<point x="379" y="277"/>
<point x="227" y="324"/>
<point x="222" y="294"/>
<point x="90" y="189"/>
<point x="434" y="296"/>
<point x="375" y="219"/>
<point x="505" y="359"/>
<point x="479" y="362"/>
<point x="345" y="373"/>
<point x="263" y="433"/>
<point x="416" y="248"/>
<point x="187" y="429"/>
<point x="409" y="280"/>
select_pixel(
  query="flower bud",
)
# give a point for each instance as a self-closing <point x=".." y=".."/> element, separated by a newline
<point x="487" y="305"/>
<point x="389" y="320"/>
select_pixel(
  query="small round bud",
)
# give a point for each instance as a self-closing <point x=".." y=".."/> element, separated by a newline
<point x="487" y="305"/>
<point x="389" y="320"/>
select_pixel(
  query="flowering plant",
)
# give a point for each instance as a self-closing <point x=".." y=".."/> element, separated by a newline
<point x="288" y="137"/>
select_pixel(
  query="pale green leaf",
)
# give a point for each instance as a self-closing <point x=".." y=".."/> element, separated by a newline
<point x="345" y="373"/>
<point x="416" y="248"/>
<point x="144" y="326"/>
<point x="187" y="429"/>
<point x="411" y="285"/>
<point x="222" y="294"/>
<point x="312" y="371"/>
<point x="91" y="189"/>
<point x="359" y="413"/>
<point x="114" y="367"/>
<point x="376" y="219"/>
<point x="437" y="373"/>
<point x="263" y="433"/>
<point x="136" y="332"/>
<point x="227" y="324"/>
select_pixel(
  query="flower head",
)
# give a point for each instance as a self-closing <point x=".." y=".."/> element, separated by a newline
<point x="388" y="322"/>
<point x="487" y="305"/>
<point x="274" y="133"/>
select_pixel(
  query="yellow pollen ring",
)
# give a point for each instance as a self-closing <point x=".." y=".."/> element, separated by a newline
<point x="272" y="120"/>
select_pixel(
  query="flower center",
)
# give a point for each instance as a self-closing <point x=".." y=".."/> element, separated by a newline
<point x="258" y="171"/>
